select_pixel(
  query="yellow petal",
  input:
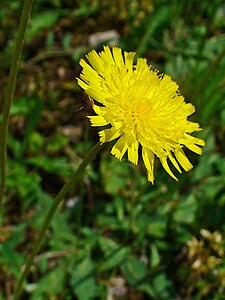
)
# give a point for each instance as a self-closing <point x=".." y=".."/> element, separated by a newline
<point x="99" y="110"/>
<point x="120" y="147"/>
<point x="192" y="139"/>
<point x="88" y="71"/>
<point x="189" y="109"/>
<point x="183" y="160"/>
<point x="133" y="152"/>
<point x="96" y="94"/>
<point x="106" y="56"/>
<point x="108" y="135"/>
<point x="194" y="148"/>
<point x="174" y="162"/>
<point x="149" y="158"/>
<point x="117" y="54"/>
<point x="167" y="168"/>
<point x="129" y="58"/>
<point x="191" y="127"/>
<point x="150" y="177"/>
<point x="82" y="84"/>
<point x="97" y="121"/>
<point x="95" y="61"/>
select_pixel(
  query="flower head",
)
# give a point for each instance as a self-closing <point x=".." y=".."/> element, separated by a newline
<point x="141" y="108"/>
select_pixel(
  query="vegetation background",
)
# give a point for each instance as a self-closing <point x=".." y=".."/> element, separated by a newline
<point x="116" y="236"/>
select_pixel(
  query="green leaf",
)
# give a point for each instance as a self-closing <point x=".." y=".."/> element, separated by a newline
<point x="35" y="141"/>
<point x="147" y="289"/>
<point x="20" y="107"/>
<point x="83" y="281"/>
<point x="43" y="20"/>
<point x="12" y="259"/>
<point x="57" y="143"/>
<point x="59" y="166"/>
<point x="155" y="257"/>
<point x="114" y="254"/>
<point x="114" y="174"/>
<point x="27" y="185"/>
<point x="185" y="211"/>
<point x="134" y="270"/>
<point x="157" y="227"/>
<point x="162" y="285"/>
<point x="51" y="284"/>
<point x="62" y="233"/>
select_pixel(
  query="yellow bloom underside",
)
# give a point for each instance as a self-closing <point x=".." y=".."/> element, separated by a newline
<point x="140" y="107"/>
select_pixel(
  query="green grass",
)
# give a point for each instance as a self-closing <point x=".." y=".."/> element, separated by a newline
<point x="115" y="232"/>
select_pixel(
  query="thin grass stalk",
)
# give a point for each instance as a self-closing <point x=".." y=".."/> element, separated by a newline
<point x="63" y="192"/>
<point x="27" y="5"/>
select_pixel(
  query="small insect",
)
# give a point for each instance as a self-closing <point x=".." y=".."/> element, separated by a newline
<point x="89" y="103"/>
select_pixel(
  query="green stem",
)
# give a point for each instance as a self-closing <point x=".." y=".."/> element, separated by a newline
<point x="63" y="192"/>
<point x="10" y="91"/>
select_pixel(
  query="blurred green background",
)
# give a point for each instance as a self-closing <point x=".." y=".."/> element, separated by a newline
<point x="116" y="236"/>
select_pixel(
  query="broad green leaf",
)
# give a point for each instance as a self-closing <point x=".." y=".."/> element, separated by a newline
<point x="43" y="20"/>
<point x="185" y="211"/>
<point x="82" y="279"/>
<point x="11" y="258"/>
<point x="157" y="226"/>
<point x="57" y="143"/>
<point x="162" y="285"/>
<point x="114" y="174"/>
<point x="134" y="270"/>
<point x="114" y="254"/>
<point x="155" y="257"/>
<point x="58" y="166"/>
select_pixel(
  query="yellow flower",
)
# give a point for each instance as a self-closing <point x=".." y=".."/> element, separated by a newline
<point x="140" y="108"/>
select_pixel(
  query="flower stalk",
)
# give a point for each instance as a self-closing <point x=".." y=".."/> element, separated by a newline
<point x="62" y="193"/>
<point x="27" y="5"/>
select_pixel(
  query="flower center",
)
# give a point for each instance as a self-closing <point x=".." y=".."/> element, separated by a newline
<point x="135" y="116"/>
